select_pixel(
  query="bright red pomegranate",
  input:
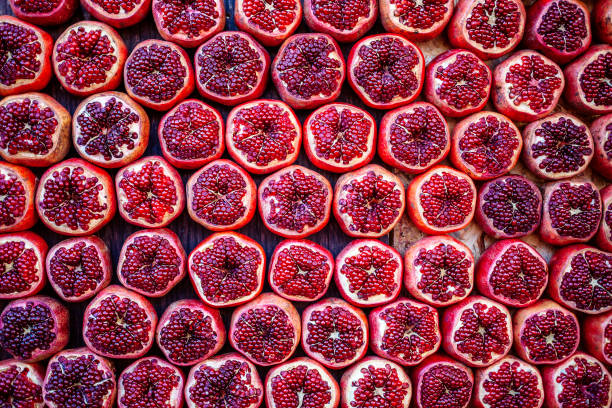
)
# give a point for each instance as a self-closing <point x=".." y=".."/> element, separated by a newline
<point x="601" y="130"/>
<point x="300" y="270"/>
<point x="334" y="333"/>
<point x="17" y="188"/>
<point x="294" y="202"/>
<point x="559" y="29"/>
<point x="263" y="135"/>
<point x="602" y="22"/>
<point x="151" y="262"/>
<point x="75" y="198"/>
<point x="340" y="137"/>
<point x="78" y="268"/>
<point x="270" y="21"/>
<point x="228" y="380"/>
<point x="22" y="260"/>
<point x="227" y="269"/>
<point x="477" y="331"/>
<point x="21" y="384"/>
<point x="416" y="20"/>
<point x="158" y="74"/>
<point x="150" y="382"/>
<point x="119" y="323"/>
<point x="150" y="192"/>
<point x="413" y="138"/>
<point x="45" y="12"/>
<point x="188" y="23"/>
<point x="375" y="382"/>
<point x="440" y="382"/>
<point x="368" y="273"/>
<point x="190" y="332"/>
<point x="308" y="70"/>
<point x="368" y="202"/>
<point x="508" y="383"/>
<point x="597" y="336"/>
<point x="346" y="22"/>
<point x="442" y="200"/>
<point x="36" y="131"/>
<point x="604" y="234"/>
<point x="33" y="328"/>
<point x="79" y="378"/>
<point x="439" y="270"/>
<point x="266" y="330"/>
<point x="458" y="83"/>
<point x="118" y="13"/>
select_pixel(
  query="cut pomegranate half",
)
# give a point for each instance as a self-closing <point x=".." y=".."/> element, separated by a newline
<point x="601" y="130"/>
<point x="589" y="80"/>
<point x="22" y="261"/>
<point x="270" y="21"/>
<point x="440" y="382"/>
<point x="602" y="23"/>
<point x="150" y="382"/>
<point x="17" y="190"/>
<point x="604" y="234"/>
<point x="416" y="20"/>
<point x="22" y="384"/>
<point x="597" y="336"/>
<point x="346" y="22"/>
<point x="47" y="13"/>
<point x="118" y="13"/>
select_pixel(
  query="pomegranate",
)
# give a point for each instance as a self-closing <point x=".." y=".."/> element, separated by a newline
<point x="228" y="380"/>
<point x="512" y="272"/>
<point x="368" y="202"/>
<point x="416" y="20"/>
<point x="340" y="137"/>
<point x="33" y="328"/>
<point x="110" y="130"/>
<point x="604" y="234"/>
<point x="375" y="382"/>
<point x="572" y="211"/>
<point x="559" y="29"/>
<point x="152" y="262"/>
<point x="334" y="333"/>
<point x="602" y="20"/>
<point x="21" y="384"/>
<point x="295" y="202"/>
<point x="368" y="273"/>
<point x="150" y="382"/>
<point x="580" y="279"/>
<point x="78" y="268"/>
<point x="545" y="333"/>
<point x="346" y="22"/>
<point x="17" y="188"/>
<point x="441" y="382"/>
<point x="509" y="207"/>
<point x="597" y="335"/>
<point x="119" y="323"/>
<point x="221" y="196"/>
<point x="301" y="382"/>
<point x="36" y="131"/>
<point x="188" y="23"/>
<point x="263" y="135"/>
<point x="79" y="378"/>
<point x="118" y="13"/>
<point x="386" y="70"/>
<point x="231" y="68"/>
<point x="414" y="137"/>
<point x="601" y="130"/>
<point x="439" y="270"/>
<point x="227" y="269"/>
<point x="442" y="200"/>
<point x="266" y="330"/>
<point x="458" y="83"/>
<point x="45" y="12"/>
<point x="579" y="381"/>
<point x="508" y="383"/>
<point x="308" y="70"/>
<point x="150" y="192"/>
<point x="477" y="331"/>
<point x="190" y="332"/>
<point x="270" y="21"/>
<point x="25" y="51"/>
<point x="22" y="261"/>
<point x="158" y="74"/>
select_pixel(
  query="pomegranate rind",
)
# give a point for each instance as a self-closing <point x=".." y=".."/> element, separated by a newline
<point x="28" y="180"/>
<point x="390" y="17"/>
<point x="602" y="20"/>
<point x="596" y="336"/>
<point x="601" y="130"/>
<point x="175" y="400"/>
<point x="58" y="15"/>
<point x="34" y="374"/>
<point x="432" y="362"/>
<point x="268" y="38"/>
<point x="121" y="19"/>
<point x="362" y="25"/>
<point x="604" y="233"/>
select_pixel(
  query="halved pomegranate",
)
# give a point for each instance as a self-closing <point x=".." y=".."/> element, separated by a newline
<point x="439" y="270"/>
<point x="48" y="12"/>
<point x="119" y="323"/>
<point x="602" y="21"/>
<point x="604" y="234"/>
<point x="346" y="22"/>
<point x="75" y="197"/>
<point x="227" y="269"/>
<point x="442" y="200"/>
<point x="36" y="130"/>
<point x="559" y="29"/>
<point x="190" y="332"/>
<point x="188" y="23"/>
<point x="158" y="74"/>
<point x="601" y="130"/>
<point x="545" y="333"/>
<point x="110" y="129"/>
<point x="22" y="261"/>
<point x="386" y="70"/>
<point x="266" y="330"/>
<point x="150" y="192"/>
<point x="221" y="196"/>
<point x="597" y="336"/>
<point x="458" y="83"/>
<point x="477" y="331"/>
<point x="368" y="273"/>
<point x="580" y="279"/>
<point x="308" y="70"/>
<point x="413" y="138"/>
<point x="150" y="382"/>
<point x="512" y="272"/>
<point x="263" y="135"/>
<point x="270" y="21"/>
<point x="441" y="382"/>
<point x="295" y="202"/>
<point x="151" y="262"/>
<point x="78" y="268"/>
<point x="416" y="20"/>
<point x="118" y="13"/>
<point x="17" y="189"/>
<point x="340" y="137"/>
<point x="368" y="202"/>
<point x="21" y="384"/>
